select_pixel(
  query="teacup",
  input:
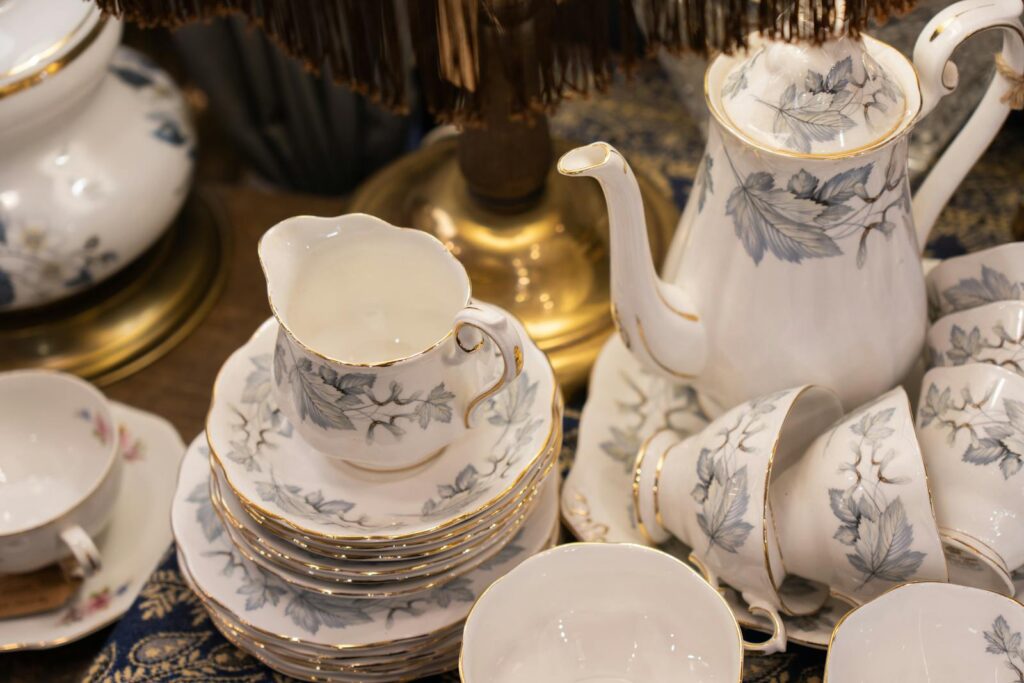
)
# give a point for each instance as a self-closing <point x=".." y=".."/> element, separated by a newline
<point x="711" y="491"/>
<point x="854" y="511"/>
<point x="929" y="633"/>
<point x="993" y="334"/>
<point x="601" y="612"/>
<point x="59" y="470"/>
<point x="970" y="422"/>
<point x="382" y="357"/>
<point x="976" y="279"/>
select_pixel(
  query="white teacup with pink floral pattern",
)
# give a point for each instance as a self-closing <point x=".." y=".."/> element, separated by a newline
<point x="59" y="470"/>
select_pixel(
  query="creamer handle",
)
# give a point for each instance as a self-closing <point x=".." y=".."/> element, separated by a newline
<point x="939" y="77"/>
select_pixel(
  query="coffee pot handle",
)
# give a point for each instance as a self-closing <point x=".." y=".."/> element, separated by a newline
<point x="497" y="324"/>
<point x="939" y="77"/>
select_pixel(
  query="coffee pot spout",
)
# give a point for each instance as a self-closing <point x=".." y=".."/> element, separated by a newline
<point x="656" y="320"/>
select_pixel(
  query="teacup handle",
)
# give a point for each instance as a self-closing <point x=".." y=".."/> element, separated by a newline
<point x="496" y="324"/>
<point x="778" y="640"/>
<point x="87" y="556"/>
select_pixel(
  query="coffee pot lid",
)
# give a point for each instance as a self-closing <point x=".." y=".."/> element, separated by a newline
<point x="823" y="99"/>
<point x="35" y="34"/>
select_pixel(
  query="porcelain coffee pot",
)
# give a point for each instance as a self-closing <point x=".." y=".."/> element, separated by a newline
<point x="797" y="259"/>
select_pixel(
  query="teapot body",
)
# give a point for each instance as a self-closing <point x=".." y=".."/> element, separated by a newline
<point x="804" y="270"/>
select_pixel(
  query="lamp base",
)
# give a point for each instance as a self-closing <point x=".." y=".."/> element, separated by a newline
<point x="547" y="264"/>
<point x="128" y="321"/>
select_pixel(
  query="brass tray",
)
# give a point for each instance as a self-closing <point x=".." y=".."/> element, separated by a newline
<point x="128" y="321"/>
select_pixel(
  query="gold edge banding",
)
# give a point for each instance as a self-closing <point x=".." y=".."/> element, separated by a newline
<point x="429" y="567"/>
<point x="549" y="444"/>
<point x="835" y="629"/>
<point x="650" y="354"/>
<point x="57" y="65"/>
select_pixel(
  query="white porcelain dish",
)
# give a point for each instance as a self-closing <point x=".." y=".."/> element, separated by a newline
<point x="59" y="471"/>
<point x="601" y="612"/>
<point x="135" y="541"/>
<point x="929" y="633"/>
<point x="284" y="479"/>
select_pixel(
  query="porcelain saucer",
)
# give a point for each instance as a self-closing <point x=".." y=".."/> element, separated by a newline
<point x="625" y="405"/>
<point x="427" y="548"/>
<point x="336" y="564"/>
<point x="329" y="583"/>
<point x="269" y="606"/>
<point x="133" y="545"/>
<point x="274" y="472"/>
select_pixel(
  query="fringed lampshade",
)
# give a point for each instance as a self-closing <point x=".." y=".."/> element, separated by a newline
<point x="497" y="68"/>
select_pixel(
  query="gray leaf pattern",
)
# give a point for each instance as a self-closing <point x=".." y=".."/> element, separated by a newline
<point x="997" y="347"/>
<point x="510" y="409"/>
<point x="873" y="521"/>
<point x="824" y="105"/>
<point x="657" y="405"/>
<point x="348" y="401"/>
<point x="1005" y="642"/>
<point x="310" y="611"/>
<point x="721" y="489"/>
<point x="996" y="437"/>
<point x="805" y="217"/>
<point x="990" y="287"/>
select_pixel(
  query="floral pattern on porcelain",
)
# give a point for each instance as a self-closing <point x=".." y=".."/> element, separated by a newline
<point x="996" y="431"/>
<point x="971" y="292"/>
<point x="1005" y="642"/>
<point x="722" y="490"/>
<point x="309" y="610"/>
<point x="658" y="404"/>
<point x="351" y="401"/>
<point x="995" y="347"/>
<point x="510" y="410"/>
<point x="825" y="104"/>
<point x="37" y="263"/>
<point x="873" y="521"/>
<point x="96" y="602"/>
<point x="259" y="425"/>
<point x="797" y="216"/>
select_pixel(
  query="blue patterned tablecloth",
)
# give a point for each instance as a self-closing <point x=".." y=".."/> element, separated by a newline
<point x="166" y="636"/>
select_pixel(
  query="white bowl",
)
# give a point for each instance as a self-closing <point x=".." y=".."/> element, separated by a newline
<point x="59" y="470"/>
<point x="976" y="279"/>
<point x="929" y="633"/>
<point x="601" y="612"/>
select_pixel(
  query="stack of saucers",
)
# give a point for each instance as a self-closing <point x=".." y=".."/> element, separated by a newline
<point x="338" y="518"/>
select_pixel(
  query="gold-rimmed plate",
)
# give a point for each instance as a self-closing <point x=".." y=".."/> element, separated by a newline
<point x="268" y="605"/>
<point x="275" y="473"/>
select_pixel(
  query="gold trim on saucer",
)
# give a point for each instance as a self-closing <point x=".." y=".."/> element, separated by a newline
<point x="506" y="530"/>
<point x="554" y="429"/>
<point x="538" y="470"/>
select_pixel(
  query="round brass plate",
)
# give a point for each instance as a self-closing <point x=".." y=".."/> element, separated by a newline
<point x="128" y="321"/>
<point x="548" y="265"/>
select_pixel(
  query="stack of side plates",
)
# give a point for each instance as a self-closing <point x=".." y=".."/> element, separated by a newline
<point x="328" y="572"/>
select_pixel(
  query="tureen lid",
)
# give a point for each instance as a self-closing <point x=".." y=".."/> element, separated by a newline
<point x="37" y="33"/>
<point x="811" y="99"/>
